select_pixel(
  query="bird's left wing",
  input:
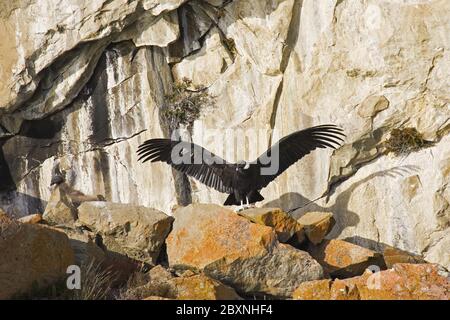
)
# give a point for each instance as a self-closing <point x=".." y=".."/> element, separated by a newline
<point x="192" y="160"/>
<point x="292" y="148"/>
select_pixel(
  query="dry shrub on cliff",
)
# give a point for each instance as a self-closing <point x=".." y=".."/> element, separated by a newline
<point x="95" y="285"/>
<point x="405" y="141"/>
<point x="185" y="103"/>
<point x="95" y="282"/>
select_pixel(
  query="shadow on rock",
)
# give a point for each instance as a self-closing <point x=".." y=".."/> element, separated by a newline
<point x="342" y="213"/>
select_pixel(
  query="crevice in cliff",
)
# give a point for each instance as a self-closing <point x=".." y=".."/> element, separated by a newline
<point x="291" y="41"/>
<point x="434" y="60"/>
<point x="6" y="180"/>
<point x="338" y="3"/>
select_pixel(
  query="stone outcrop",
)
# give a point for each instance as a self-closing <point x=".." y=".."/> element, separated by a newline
<point x="343" y="259"/>
<point x="285" y="226"/>
<point x="32" y="218"/>
<point x="133" y="231"/>
<point x="86" y="83"/>
<point x="241" y="254"/>
<point x="393" y="256"/>
<point x="32" y="256"/>
<point x="317" y="225"/>
<point x="201" y="287"/>
<point x="62" y="206"/>
<point x="60" y="209"/>
<point x="402" y="282"/>
<point x="159" y="283"/>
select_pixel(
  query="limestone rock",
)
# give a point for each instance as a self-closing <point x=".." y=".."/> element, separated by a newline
<point x="313" y="290"/>
<point x="205" y="66"/>
<point x="392" y="256"/>
<point x="62" y="206"/>
<point x="154" y="283"/>
<point x="367" y="66"/>
<point x="32" y="219"/>
<point x="241" y="254"/>
<point x="84" y="245"/>
<point x="201" y="287"/>
<point x="408" y="281"/>
<point x="269" y="25"/>
<point x="60" y="209"/>
<point x="156" y="298"/>
<point x="159" y="283"/>
<point x="402" y="282"/>
<point x="317" y="225"/>
<point x="135" y="231"/>
<point x="31" y="255"/>
<point x="343" y="259"/>
<point x="284" y="226"/>
<point x="156" y="31"/>
<point x="54" y="35"/>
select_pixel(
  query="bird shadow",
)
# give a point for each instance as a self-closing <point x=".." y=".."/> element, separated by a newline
<point x="345" y="217"/>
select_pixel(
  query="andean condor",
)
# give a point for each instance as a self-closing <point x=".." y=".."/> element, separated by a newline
<point x="242" y="180"/>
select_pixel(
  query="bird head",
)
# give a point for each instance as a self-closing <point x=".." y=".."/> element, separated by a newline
<point x="242" y="165"/>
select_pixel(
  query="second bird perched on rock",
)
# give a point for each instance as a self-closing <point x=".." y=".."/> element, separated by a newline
<point x="242" y="180"/>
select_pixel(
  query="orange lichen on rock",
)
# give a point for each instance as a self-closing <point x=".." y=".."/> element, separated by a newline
<point x="204" y="240"/>
<point x="343" y="259"/>
<point x="201" y="287"/>
<point x="236" y="251"/>
<point x="284" y="225"/>
<point x="403" y="282"/>
<point x="317" y="225"/>
<point x="314" y="290"/>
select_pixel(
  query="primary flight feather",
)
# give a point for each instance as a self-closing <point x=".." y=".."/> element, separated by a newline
<point x="242" y="180"/>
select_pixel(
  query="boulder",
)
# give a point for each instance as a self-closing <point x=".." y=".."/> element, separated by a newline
<point x="88" y="248"/>
<point x="314" y="290"/>
<point x="32" y="218"/>
<point x="393" y="255"/>
<point x="135" y="231"/>
<point x="201" y="287"/>
<point x="156" y="298"/>
<point x="402" y="282"/>
<point x="317" y="225"/>
<point x="155" y="283"/>
<point x="59" y="209"/>
<point x="31" y="256"/>
<point x="160" y="283"/>
<point x="284" y="226"/>
<point x="344" y="259"/>
<point x="237" y="252"/>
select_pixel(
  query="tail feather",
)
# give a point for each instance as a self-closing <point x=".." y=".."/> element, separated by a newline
<point x="231" y="201"/>
<point x="253" y="196"/>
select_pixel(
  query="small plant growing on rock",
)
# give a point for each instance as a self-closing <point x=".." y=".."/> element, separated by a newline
<point x="185" y="103"/>
<point x="405" y="141"/>
<point x="231" y="46"/>
<point x="95" y="282"/>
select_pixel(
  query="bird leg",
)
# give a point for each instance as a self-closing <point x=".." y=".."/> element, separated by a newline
<point x="249" y="205"/>
<point x="245" y="206"/>
<point x="240" y="208"/>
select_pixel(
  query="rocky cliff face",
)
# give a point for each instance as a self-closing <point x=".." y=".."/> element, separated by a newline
<point x="85" y="82"/>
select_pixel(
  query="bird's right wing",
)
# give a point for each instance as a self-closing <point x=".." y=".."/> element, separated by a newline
<point x="192" y="160"/>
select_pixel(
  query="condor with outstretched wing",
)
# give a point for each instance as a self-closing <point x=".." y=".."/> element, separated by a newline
<point x="242" y="180"/>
